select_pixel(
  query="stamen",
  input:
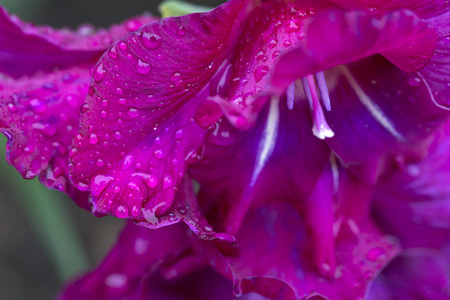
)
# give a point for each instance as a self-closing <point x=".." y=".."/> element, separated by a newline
<point x="322" y="84"/>
<point x="320" y="129"/>
<point x="290" y="95"/>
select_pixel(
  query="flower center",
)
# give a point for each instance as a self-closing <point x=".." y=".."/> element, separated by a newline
<point x="320" y="128"/>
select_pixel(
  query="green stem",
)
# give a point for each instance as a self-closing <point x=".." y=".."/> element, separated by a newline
<point x="47" y="212"/>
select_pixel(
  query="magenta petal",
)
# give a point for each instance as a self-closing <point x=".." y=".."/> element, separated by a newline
<point x="275" y="258"/>
<point x="138" y="253"/>
<point x="32" y="48"/>
<point x="137" y="130"/>
<point x="399" y="36"/>
<point x="39" y="116"/>
<point x="384" y="113"/>
<point x="415" y="274"/>
<point x="414" y="203"/>
<point x="423" y="8"/>
<point x="233" y="158"/>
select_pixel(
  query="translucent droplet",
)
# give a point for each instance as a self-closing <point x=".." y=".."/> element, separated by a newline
<point x="181" y="31"/>
<point x="93" y="138"/>
<point x="122" y="211"/>
<point x="375" y="253"/>
<point x="159" y="154"/>
<point x="272" y="43"/>
<point x="113" y="52"/>
<point x="119" y="91"/>
<point x="414" y="81"/>
<point x="133" y="112"/>
<point x="151" y="40"/>
<point x="261" y="72"/>
<point x="99" y="73"/>
<point x="292" y="26"/>
<point x="123" y="45"/>
<point x="167" y="181"/>
<point x="152" y="181"/>
<point x="142" y="67"/>
<point x="135" y="211"/>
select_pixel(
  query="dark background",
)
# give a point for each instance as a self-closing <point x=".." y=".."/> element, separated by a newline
<point x="27" y="264"/>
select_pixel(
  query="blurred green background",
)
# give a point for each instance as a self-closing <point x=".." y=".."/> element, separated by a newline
<point x="44" y="237"/>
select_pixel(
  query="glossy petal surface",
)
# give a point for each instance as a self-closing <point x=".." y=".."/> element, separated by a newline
<point x="29" y="49"/>
<point x="129" y="167"/>
<point x="357" y="35"/>
<point x="39" y="116"/>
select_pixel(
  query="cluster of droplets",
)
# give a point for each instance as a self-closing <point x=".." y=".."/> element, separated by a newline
<point x="41" y="124"/>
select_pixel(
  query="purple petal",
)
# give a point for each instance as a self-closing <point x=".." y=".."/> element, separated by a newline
<point x="414" y="203"/>
<point x="29" y="49"/>
<point x="137" y="132"/>
<point x="399" y="36"/>
<point x="39" y="116"/>
<point x="415" y="274"/>
<point x="255" y="162"/>
<point x="380" y="116"/>
<point x="275" y="258"/>
<point x="138" y="253"/>
<point x="423" y="8"/>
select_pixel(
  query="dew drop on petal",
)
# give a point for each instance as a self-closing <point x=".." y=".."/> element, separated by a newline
<point x="292" y="27"/>
<point x="152" y="181"/>
<point x="113" y="52"/>
<point x="414" y="81"/>
<point x="260" y="72"/>
<point x="142" y="67"/>
<point x="122" y="211"/>
<point x="123" y="45"/>
<point x="272" y="43"/>
<point x="167" y="181"/>
<point x="119" y="91"/>
<point x="99" y="73"/>
<point x="135" y="211"/>
<point x="181" y="31"/>
<point x="93" y="138"/>
<point x="151" y="40"/>
<point x="375" y="253"/>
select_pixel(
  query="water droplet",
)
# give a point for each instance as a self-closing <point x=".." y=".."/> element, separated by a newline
<point x="135" y="211"/>
<point x="122" y="211"/>
<point x="127" y="161"/>
<point x="178" y="134"/>
<point x="159" y="154"/>
<point x="122" y="101"/>
<point x="414" y="81"/>
<point x="103" y="114"/>
<point x="113" y="52"/>
<point x="167" y="181"/>
<point x="37" y="105"/>
<point x="99" y="73"/>
<point x="261" y="72"/>
<point x="142" y="67"/>
<point x="152" y="181"/>
<point x="91" y="91"/>
<point x="375" y="253"/>
<point x="123" y="45"/>
<point x="287" y="43"/>
<point x="104" y="102"/>
<point x="181" y="31"/>
<point x="133" y="112"/>
<point x="259" y="55"/>
<point x="100" y="162"/>
<point x="292" y="26"/>
<point x="117" y="135"/>
<point x="272" y="43"/>
<point x="151" y="40"/>
<point x="119" y="91"/>
<point x="93" y="138"/>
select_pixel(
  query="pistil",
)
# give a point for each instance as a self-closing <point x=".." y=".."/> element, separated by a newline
<point x="320" y="129"/>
